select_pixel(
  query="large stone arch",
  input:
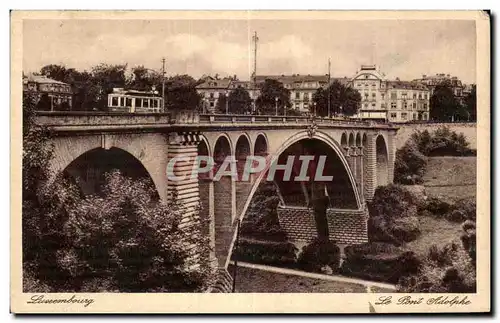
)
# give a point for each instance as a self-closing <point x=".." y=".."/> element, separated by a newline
<point x="297" y="137"/>
<point x="149" y="149"/>
<point x="382" y="161"/>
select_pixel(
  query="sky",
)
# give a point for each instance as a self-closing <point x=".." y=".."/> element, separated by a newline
<point x="400" y="48"/>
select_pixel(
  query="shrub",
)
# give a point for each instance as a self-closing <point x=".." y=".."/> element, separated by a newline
<point x="392" y="201"/>
<point x="443" y="270"/>
<point x="379" y="262"/>
<point x="449" y="269"/>
<point x="393" y="213"/>
<point x="468" y="206"/>
<point x="437" y="206"/>
<point x="261" y="221"/>
<point x="410" y="165"/>
<point x="405" y="229"/>
<point x="318" y="254"/>
<point x="282" y="254"/>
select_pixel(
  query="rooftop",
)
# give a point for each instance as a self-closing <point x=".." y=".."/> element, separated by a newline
<point x="41" y="79"/>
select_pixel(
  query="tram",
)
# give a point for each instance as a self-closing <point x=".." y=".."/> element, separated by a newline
<point x="122" y="100"/>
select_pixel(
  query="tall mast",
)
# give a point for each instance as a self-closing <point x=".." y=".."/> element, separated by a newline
<point x="255" y="40"/>
<point x="163" y="84"/>
<point x="328" y="87"/>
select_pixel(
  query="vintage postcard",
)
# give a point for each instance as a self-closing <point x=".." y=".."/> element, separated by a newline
<point x="250" y="162"/>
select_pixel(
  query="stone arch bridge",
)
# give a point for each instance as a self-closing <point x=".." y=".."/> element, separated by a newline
<point x="359" y="155"/>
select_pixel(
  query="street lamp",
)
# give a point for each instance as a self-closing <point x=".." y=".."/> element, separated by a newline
<point x="276" y="100"/>
<point x="314" y="108"/>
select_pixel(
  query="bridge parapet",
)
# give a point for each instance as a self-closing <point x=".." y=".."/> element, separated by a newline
<point x="91" y="120"/>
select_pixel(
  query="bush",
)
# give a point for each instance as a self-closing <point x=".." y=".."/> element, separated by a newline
<point x="468" y="207"/>
<point x="437" y="206"/>
<point x="410" y="165"/>
<point x="393" y="213"/>
<point x="444" y="270"/>
<point x="379" y="262"/>
<point x="405" y="229"/>
<point x="281" y="254"/>
<point x="318" y="254"/>
<point x="392" y="201"/>
<point x="442" y="142"/>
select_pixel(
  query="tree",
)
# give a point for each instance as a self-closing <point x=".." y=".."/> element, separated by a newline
<point x="104" y="78"/>
<point x="443" y="104"/>
<point x="55" y="72"/>
<point x="144" y="79"/>
<point x="220" y="107"/>
<point x="269" y="91"/>
<point x="471" y="104"/>
<point x="343" y="100"/>
<point x="239" y="101"/>
<point x="132" y="242"/>
<point x="181" y="94"/>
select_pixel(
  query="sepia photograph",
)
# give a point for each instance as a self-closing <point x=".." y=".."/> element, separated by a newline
<point x="177" y="155"/>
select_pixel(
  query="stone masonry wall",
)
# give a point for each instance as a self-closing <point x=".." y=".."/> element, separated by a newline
<point x="345" y="226"/>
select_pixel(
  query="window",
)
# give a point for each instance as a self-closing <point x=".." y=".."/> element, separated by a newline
<point x="425" y="106"/>
<point x="145" y="103"/>
<point x="366" y="76"/>
<point x="211" y="95"/>
<point x="114" y="101"/>
<point x="129" y="102"/>
<point x="383" y="96"/>
<point x="374" y="95"/>
<point x="138" y="103"/>
<point x="414" y="95"/>
<point x="414" y="105"/>
<point x="414" y="116"/>
<point x="297" y="95"/>
<point x="420" y="96"/>
<point x="394" y="115"/>
<point x="155" y="103"/>
<point x="373" y="84"/>
<point x="394" y="95"/>
<point x="122" y="101"/>
<point x="426" y="95"/>
<point x="212" y="104"/>
<point x="393" y="105"/>
<point x="405" y="105"/>
<point x="383" y="106"/>
<point x="373" y="105"/>
<point x="215" y="83"/>
<point x="403" y="115"/>
<point x="366" y="105"/>
<point x="403" y="95"/>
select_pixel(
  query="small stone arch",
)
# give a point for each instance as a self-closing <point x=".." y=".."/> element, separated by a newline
<point x="364" y="140"/>
<point x="343" y="140"/>
<point x="223" y="147"/>
<point x="351" y="139"/>
<point x="358" y="139"/>
<point x="261" y="145"/>
<point x="382" y="159"/>
<point x="242" y="150"/>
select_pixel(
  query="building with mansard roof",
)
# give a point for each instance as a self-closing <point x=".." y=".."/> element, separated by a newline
<point x="58" y="94"/>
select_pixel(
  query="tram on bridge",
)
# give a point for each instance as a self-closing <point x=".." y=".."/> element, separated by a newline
<point x="122" y="100"/>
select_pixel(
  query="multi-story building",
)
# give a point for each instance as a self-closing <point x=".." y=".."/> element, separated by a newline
<point x="211" y="89"/>
<point x="432" y="80"/>
<point x="302" y="87"/>
<point x="394" y="101"/>
<point x="59" y="94"/>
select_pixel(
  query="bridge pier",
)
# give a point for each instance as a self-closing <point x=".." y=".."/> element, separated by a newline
<point x="345" y="227"/>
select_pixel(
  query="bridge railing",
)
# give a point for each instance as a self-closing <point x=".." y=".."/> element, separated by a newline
<point x="124" y="118"/>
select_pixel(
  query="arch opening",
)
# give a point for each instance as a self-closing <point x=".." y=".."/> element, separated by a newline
<point x="242" y="151"/>
<point x="260" y="148"/>
<point x="89" y="170"/>
<point x="343" y="140"/>
<point x="382" y="161"/>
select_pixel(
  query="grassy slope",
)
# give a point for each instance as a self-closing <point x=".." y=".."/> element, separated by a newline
<point x="257" y="281"/>
<point x="451" y="178"/>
